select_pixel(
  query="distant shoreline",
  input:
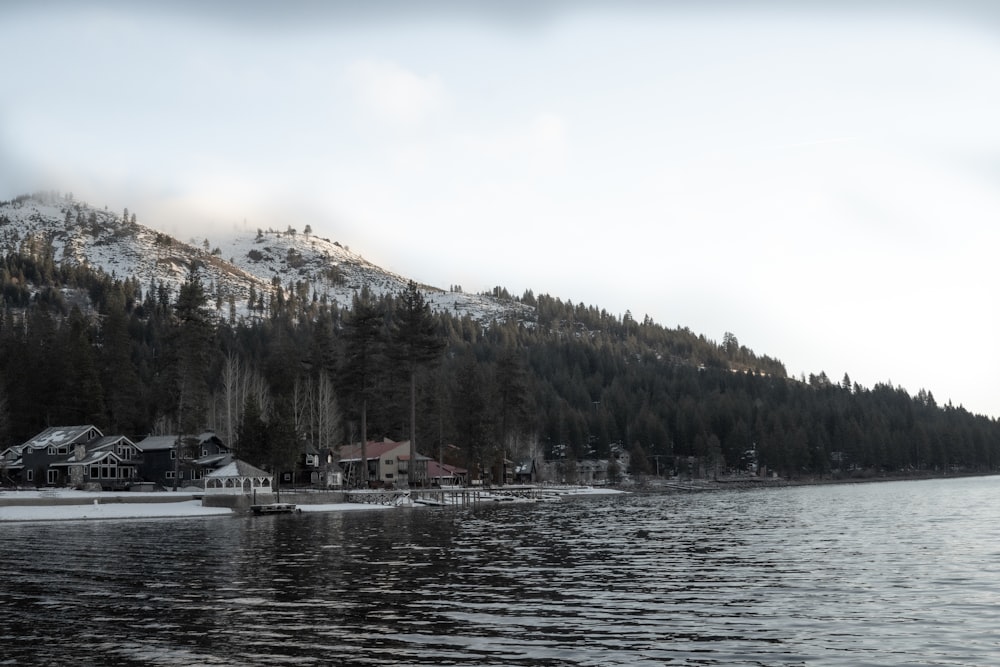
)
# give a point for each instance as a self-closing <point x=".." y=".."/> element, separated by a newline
<point x="780" y="482"/>
<point x="67" y="504"/>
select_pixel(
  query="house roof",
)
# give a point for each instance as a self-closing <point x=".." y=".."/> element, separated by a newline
<point x="56" y="436"/>
<point x="157" y="443"/>
<point x="12" y="453"/>
<point x="238" y="468"/>
<point x="161" y="442"/>
<point x="419" y="457"/>
<point x="525" y="467"/>
<point x="214" y="460"/>
<point x="210" y="436"/>
<point x="373" y="449"/>
<point x="435" y="469"/>
<point x="108" y="441"/>
<point x="94" y="456"/>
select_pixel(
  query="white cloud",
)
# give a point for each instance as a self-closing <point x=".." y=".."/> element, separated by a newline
<point x="393" y="93"/>
<point x="535" y="148"/>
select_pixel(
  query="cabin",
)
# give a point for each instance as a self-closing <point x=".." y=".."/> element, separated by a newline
<point x="526" y="472"/>
<point x="309" y="468"/>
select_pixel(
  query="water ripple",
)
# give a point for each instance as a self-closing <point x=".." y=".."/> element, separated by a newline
<point x="875" y="574"/>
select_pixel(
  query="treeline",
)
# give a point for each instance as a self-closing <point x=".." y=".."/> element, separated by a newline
<point x="575" y="382"/>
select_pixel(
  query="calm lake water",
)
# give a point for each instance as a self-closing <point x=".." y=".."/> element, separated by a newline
<point x="894" y="573"/>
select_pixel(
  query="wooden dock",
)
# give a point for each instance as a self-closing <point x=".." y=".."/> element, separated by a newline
<point x="274" y="508"/>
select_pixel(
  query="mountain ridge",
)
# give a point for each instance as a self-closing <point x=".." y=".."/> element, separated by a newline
<point x="245" y="263"/>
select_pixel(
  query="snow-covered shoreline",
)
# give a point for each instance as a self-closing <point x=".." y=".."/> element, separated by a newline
<point x="106" y="508"/>
<point x="69" y="504"/>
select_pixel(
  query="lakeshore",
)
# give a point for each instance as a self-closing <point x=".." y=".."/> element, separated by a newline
<point x="70" y="504"/>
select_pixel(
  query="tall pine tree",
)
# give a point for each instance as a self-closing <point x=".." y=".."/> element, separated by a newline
<point x="365" y="343"/>
<point x="415" y="345"/>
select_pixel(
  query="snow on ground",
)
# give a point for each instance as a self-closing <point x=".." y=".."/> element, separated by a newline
<point x="584" y="490"/>
<point x="115" y="510"/>
<point x="69" y="504"/>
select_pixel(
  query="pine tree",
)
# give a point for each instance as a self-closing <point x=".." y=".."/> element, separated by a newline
<point x="83" y="394"/>
<point x="192" y="340"/>
<point x="118" y="371"/>
<point x="415" y="344"/>
<point x="364" y="352"/>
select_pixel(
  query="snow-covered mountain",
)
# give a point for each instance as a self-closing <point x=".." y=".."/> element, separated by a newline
<point x="115" y="243"/>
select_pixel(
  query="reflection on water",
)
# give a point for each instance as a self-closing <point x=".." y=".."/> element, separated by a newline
<point x="879" y="574"/>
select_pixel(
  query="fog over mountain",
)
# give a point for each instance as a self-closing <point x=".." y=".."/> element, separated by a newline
<point x="249" y="260"/>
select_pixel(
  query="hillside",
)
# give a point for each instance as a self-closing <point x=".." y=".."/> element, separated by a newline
<point x="509" y="380"/>
<point x="247" y="262"/>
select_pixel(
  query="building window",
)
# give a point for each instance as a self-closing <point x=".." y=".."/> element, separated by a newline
<point x="170" y="474"/>
<point x="29" y="475"/>
<point x="173" y="454"/>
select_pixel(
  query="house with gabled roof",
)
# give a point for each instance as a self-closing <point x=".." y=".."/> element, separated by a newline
<point x="110" y="462"/>
<point x="199" y="455"/>
<point x="444" y="474"/>
<point x="11" y="466"/>
<point x="309" y="467"/>
<point x="54" y="444"/>
<point x="526" y="472"/>
<point x="158" y="453"/>
<point x="387" y="464"/>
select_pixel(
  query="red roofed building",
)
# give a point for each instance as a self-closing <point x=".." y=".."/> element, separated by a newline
<point x="442" y="474"/>
<point x="388" y="464"/>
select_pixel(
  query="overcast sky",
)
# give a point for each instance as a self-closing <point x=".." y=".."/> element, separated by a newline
<point x="818" y="178"/>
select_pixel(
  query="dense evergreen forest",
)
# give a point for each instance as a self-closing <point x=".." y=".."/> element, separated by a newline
<point x="81" y="347"/>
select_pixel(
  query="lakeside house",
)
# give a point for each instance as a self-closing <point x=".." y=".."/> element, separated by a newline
<point x="83" y="457"/>
<point x="199" y="455"/>
<point x="442" y="474"/>
<point x="589" y="471"/>
<point x="387" y="463"/>
<point x="53" y="445"/>
<point x="110" y="462"/>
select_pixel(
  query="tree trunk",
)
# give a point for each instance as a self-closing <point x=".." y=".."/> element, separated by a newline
<point x="413" y="428"/>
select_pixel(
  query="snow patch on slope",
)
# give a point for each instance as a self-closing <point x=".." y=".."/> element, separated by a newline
<point x="244" y="263"/>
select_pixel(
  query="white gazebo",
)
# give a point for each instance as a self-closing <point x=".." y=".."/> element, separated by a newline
<point x="238" y="478"/>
